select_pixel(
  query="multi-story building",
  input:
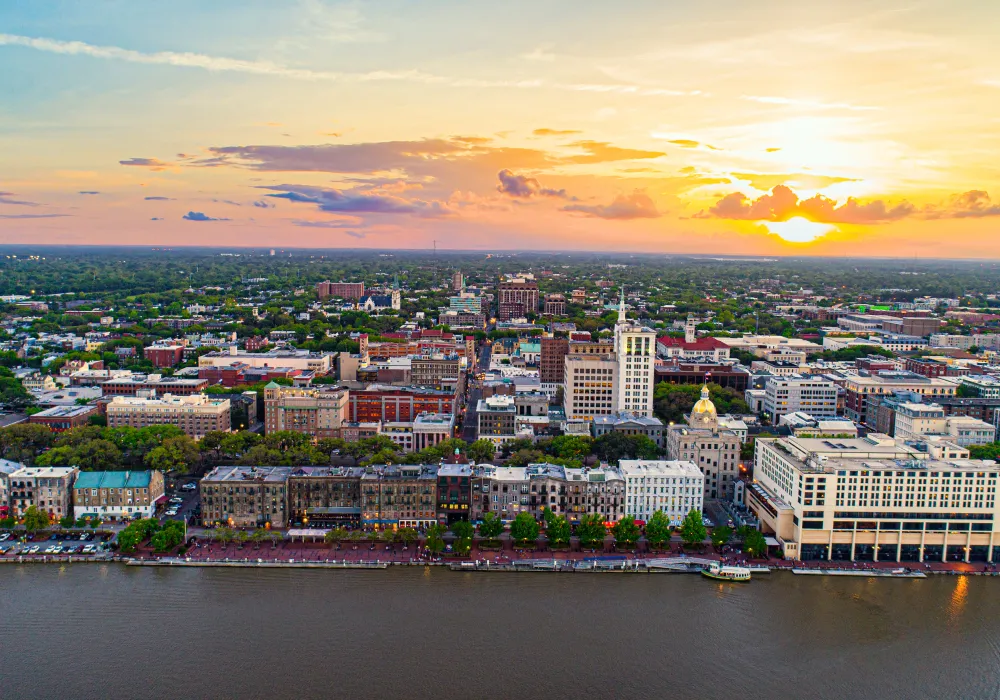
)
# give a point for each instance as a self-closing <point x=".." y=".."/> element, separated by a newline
<point x="516" y="299"/>
<point x="712" y="447"/>
<point x="49" y="489"/>
<point x="454" y="492"/>
<point x="782" y="395"/>
<point x="385" y="404"/>
<point x="60" y="418"/>
<point x="195" y="415"/>
<point x="551" y="364"/>
<point x="674" y="371"/>
<point x="496" y="418"/>
<point x="320" y="363"/>
<point x="555" y="305"/>
<point x="635" y="352"/>
<point x="133" y="386"/>
<point x="805" y="425"/>
<point x="436" y="370"/>
<point x="245" y="496"/>
<point x="466" y="302"/>
<point x="984" y="386"/>
<point x="164" y="355"/>
<point x="462" y="319"/>
<point x="874" y="499"/>
<point x="6" y="469"/>
<point x="858" y="389"/>
<point x="674" y="487"/>
<point x="312" y="411"/>
<point x="629" y="424"/>
<point x="430" y="429"/>
<point x="921" y="421"/>
<point x="399" y="496"/>
<point x="324" y="496"/>
<point x="590" y="385"/>
<point x="118" y="495"/>
<point x="457" y="281"/>
<point x="342" y="290"/>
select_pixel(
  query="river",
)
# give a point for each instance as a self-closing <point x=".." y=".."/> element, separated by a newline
<point x="108" y="631"/>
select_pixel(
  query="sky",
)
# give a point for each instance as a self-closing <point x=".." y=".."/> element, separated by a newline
<point x="755" y="128"/>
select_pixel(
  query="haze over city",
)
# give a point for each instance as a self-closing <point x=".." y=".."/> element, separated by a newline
<point x="780" y="128"/>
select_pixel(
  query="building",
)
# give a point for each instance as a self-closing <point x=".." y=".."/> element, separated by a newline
<point x="397" y="496"/>
<point x="691" y="347"/>
<point x="117" y="495"/>
<point x="387" y="404"/>
<point x="430" y="429"/>
<point x="516" y="299"/>
<point x="466" y="302"/>
<point x="324" y="496"/>
<point x="7" y="468"/>
<point x="320" y="363"/>
<point x="555" y="305"/>
<point x="454" y="492"/>
<point x="983" y="386"/>
<point x="590" y="385"/>
<point x="551" y="360"/>
<point x="164" y="355"/>
<point x="714" y="449"/>
<point x="804" y="425"/>
<point x="496" y="419"/>
<point x="635" y="352"/>
<point x="462" y="319"/>
<point x="341" y="290"/>
<point x="457" y="281"/>
<point x="675" y="371"/>
<point x="920" y="421"/>
<point x="49" y="489"/>
<point x="873" y="499"/>
<point x="379" y="302"/>
<point x="817" y="397"/>
<point x="436" y="370"/>
<point x="859" y="389"/>
<point x="195" y="415"/>
<point x="629" y="424"/>
<point x="317" y="412"/>
<point x="133" y="386"/>
<point x="245" y="496"/>
<point x="60" y="418"/>
<point x="674" y="487"/>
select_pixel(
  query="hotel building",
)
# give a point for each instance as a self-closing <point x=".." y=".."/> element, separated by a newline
<point x="674" y="487"/>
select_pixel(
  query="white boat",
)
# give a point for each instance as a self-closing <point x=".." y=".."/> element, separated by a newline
<point x="719" y="572"/>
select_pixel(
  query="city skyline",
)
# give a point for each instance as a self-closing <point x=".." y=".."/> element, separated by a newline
<point x="742" y="130"/>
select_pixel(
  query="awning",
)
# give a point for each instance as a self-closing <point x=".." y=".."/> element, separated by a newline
<point x="307" y="532"/>
<point x="771" y="542"/>
<point x="161" y="499"/>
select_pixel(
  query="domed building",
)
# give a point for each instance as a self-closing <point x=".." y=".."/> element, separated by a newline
<point x="714" y="449"/>
<point x="704" y="415"/>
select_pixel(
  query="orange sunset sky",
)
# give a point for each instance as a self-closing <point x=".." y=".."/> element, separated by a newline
<point x="846" y="128"/>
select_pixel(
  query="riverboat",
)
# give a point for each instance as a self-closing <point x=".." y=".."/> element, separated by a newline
<point x="737" y="574"/>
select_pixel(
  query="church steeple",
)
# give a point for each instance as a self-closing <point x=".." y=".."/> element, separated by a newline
<point x="621" y="307"/>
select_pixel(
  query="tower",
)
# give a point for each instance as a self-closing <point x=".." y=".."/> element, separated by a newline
<point x="690" y="330"/>
<point x="635" y="350"/>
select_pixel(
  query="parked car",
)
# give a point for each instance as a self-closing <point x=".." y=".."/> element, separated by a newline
<point x="189" y="487"/>
<point x="34" y="549"/>
<point x="88" y="549"/>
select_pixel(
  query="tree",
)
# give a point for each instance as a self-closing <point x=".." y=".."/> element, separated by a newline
<point x="175" y="453"/>
<point x="35" y="519"/>
<point x="462" y="529"/>
<point x="127" y="540"/>
<point x="66" y="522"/>
<point x="693" y="530"/>
<point x="435" y="542"/>
<point x="481" y="451"/>
<point x="407" y="536"/>
<point x="614" y="446"/>
<point x="721" y="536"/>
<point x="591" y="531"/>
<point x="625" y="531"/>
<point x="658" y="529"/>
<point x="556" y="528"/>
<point x="990" y="451"/>
<point x="524" y="529"/>
<point x="755" y="544"/>
<point x="337" y="534"/>
<point x="491" y="527"/>
<point x="463" y="546"/>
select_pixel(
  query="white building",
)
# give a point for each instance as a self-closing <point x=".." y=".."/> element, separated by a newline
<point x="674" y="487"/>
<point x="6" y="469"/>
<point x="635" y="351"/>
<point x="874" y="499"/>
<point x="590" y="386"/>
<point x="817" y="397"/>
<point x="50" y="489"/>
<point x="920" y="421"/>
<point x="986" y="386"/>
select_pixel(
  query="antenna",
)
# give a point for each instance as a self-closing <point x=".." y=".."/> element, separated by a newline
<point x="435" y="247"/>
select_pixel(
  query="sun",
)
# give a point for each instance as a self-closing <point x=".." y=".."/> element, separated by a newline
<point x="798" y="229"/>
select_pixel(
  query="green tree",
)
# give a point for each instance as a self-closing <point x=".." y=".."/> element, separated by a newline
<point x="174" y="453"/>
<point x="491" y="527"/>
<point x="591" y="531"/>
<point x="462" y="529"/>
<point x="408" y="536"/>
<point x="989" y="451"/>
<point x="557" y="529"/>
<point x="66" y="522"/>
<point x="128" y="540"/>
<point x="755" y="544"/>
<point x="435" y="541"/>
<point x="693" y="530"/>
<point x="35" y="519"/>
<point x="721" y="536"/>
<point x="658" y="529"/>
<point x="625" y="531"/>
<point x="524" y="529"/>
<point x="481" y="451"/>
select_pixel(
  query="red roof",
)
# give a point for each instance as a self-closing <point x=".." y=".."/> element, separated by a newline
<point x="699" y="344"/>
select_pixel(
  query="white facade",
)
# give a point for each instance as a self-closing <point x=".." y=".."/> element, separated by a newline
<point x="635" y="350"/>
<point x="918" y="421"/>
<point x="674" y="487"/>
<point x="590" y="386"/>
<point x="783" y="395"/>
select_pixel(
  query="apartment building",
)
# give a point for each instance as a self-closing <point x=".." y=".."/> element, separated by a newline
<point x="324" y="496"/>
<point x="791" y="394"/>
<point x="49" y="489"/>
<point x="590" y="385"/>
<point x="320" y="363"/>
<point x="496" y="418"/>
<point x="7" y="468"/>
<point x="858" y="389"/>
<point x="674" y="487"/>
<point x="874" y="499"/>
<point x="133" y="386"/>
<point x="245" y="496"/>
<point x="195" y="415"/>
<point x="379" y="403"/>
<point x="516" y="299"/>
<point x="920" y="421"/>
<point x="342" y="290"/>
<point x="436" y="370"/>
<point x="118" y="495"/>
<point x="317" y="412"/>
<point x="551" y="361"/>
<point x="399" y="496"/>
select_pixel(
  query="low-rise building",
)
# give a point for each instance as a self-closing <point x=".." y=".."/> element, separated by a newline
<point x="245" y="496"/>
<point x="60" y="418"/>
<point x="920" y="421"/>
<point x="496" y="418"/>
<point x="629" y="424"/>
<point x="674" y="487"/>
<point x="7" y="468"/>
<point x="118" y="495"/>
<point x="49" y="489"/>
<point x="804" y="425"/>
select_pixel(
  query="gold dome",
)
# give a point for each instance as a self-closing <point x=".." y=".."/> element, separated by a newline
<point x="704" y="404"/>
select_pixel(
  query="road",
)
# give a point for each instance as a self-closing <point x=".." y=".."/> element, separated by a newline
<point x="475" y="392"/>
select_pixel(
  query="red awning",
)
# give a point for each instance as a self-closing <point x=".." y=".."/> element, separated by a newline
<point x="161" y="499"/>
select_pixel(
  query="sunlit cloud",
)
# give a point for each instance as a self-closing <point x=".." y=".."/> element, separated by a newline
<point x="798" y="229"/>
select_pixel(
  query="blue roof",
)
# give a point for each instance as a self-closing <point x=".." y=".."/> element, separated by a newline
<point x="113" y="480"/>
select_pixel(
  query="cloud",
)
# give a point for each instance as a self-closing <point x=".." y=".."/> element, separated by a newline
<point x="603" y="152"/>
<point x="555" y="132"/>
<point x="32" y="216"/>
<point x="5" y="198"/>
<point x="783" y="204"/>
<point x="151" y="163"/>
<point x="158" y="199"/>
<point x="263" y="204"/>
<point x="974" y="204"/>
<point x="88" y="192"/>
<point x="199" y="216"/>
<point x="808" y="104"/>
<point x="684" y="143"/>
<point x="331" y="200"/>
<point x="473" y="140"/>
<point x="809" y="181"/>
<point x="524" y="187"/>
<point x="157" y="218"/>
<point x="539" y="54"/>
<point x="346" y="222"/>
<point x="356" y="234"/>
<point x="637" y="205"/>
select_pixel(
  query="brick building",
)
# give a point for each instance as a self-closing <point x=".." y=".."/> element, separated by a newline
<point x="118" y="495"/>
<point x="384" y="404"/>
<point x="245" y="496"/>
<point x="551" y="363"/>
<point x="316" y="412"/>
<point x="516" y="298"/>
<point x="325" y="496"/>
<point x="343" y="290"/>
<point x="164" y="355"/>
